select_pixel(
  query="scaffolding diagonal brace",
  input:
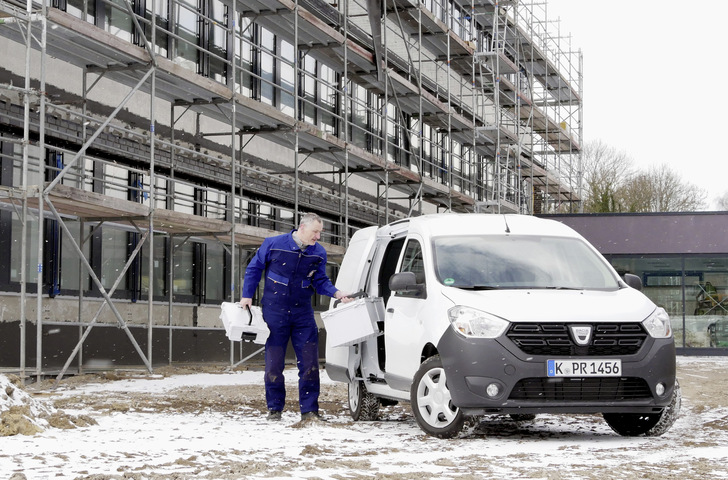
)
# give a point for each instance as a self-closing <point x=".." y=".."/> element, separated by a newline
<point x="98" y="313"/>
<point x="102" y="290"/>
<point x="98" y="132"/>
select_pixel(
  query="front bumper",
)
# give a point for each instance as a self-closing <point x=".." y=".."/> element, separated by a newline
<point x="473" y="364"/>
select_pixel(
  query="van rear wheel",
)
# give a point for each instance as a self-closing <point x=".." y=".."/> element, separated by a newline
<point x="362" y="404"/>
<point x="431" y="401"/>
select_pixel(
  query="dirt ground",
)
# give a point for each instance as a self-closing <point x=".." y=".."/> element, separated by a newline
<point x="704" y="387"/>
<point x="508" y="446"/>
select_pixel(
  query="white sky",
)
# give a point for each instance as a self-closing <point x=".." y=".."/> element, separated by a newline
<point x="653" y="81"/>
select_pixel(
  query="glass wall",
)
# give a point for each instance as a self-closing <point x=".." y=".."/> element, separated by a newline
<point x="707" y="298"/>
<point x="693" y="290"/>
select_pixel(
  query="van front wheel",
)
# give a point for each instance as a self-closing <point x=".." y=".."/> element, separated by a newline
<point x="431" y="401"/>
<point x="649" y="425"/>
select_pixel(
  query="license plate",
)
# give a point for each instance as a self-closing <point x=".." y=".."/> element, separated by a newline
<point x="584" y="368"/>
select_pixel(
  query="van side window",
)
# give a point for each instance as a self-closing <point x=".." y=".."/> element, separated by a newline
<point x="413" y="261"/>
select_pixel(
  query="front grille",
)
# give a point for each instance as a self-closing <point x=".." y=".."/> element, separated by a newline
<point x="581" y="389"/>
<point x="554" y="339"/>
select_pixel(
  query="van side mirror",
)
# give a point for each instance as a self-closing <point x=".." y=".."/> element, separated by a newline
<point x="633" y="281"/>
<point x="406" y="282"/>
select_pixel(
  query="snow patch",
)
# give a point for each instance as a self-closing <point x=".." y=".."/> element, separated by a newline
<point x="19" y="412"/>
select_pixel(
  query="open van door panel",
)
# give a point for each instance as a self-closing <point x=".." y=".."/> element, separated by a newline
<point x="367" y="257"/>
<point x="403" y="318"/>
<point x="352" y="275"/>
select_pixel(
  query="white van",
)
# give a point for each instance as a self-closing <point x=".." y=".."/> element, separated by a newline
<point x="502" y="314"/>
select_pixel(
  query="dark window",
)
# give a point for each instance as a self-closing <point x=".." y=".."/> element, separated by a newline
<point x="287" y="77"/>
<point x="413" y="261"/>
<point x="245" y="56"/>
<point x="187" y="30"/>
<point x="214" y="40"/>
<point x="308" y="90"/>
<point x="267" y="66"/>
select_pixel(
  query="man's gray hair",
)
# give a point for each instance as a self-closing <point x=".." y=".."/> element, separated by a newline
<point x="310" y="218"/>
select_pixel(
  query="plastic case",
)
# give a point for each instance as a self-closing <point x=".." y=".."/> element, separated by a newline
<point x="352" y="322"/>
<point x="239" y="323"/>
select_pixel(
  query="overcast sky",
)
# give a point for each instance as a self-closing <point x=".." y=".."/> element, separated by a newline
<point x="653" y="81"/>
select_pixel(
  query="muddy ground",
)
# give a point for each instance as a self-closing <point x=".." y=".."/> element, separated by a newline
<point x="550" y="447"/>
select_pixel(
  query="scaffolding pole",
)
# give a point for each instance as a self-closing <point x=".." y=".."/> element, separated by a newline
<point x="41" y="175"/>
<point x="24" y="188"/>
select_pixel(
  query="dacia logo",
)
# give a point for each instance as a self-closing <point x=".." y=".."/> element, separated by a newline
<point x="581" y="334"/>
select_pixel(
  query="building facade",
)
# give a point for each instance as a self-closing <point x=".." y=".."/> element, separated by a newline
<point x="148" y="146"/>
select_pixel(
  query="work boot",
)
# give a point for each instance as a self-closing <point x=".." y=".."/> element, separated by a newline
<point x="312" y="417"/>
<point x="274" y="415"/>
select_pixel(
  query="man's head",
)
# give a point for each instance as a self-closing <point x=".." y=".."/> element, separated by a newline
<point x="309" y="229"/>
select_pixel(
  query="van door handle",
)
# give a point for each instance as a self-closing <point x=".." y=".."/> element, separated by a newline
<point x="390" y="310"/>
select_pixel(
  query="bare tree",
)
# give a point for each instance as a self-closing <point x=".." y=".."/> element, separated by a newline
<point x="722" y="201"/>
<point x="605" y="172"/>
<point x="661" y="189"/>
<point x="612" y="185"/>
<point x="636" y="194"/>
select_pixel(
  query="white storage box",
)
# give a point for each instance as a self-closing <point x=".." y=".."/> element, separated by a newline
<point x="352" y="322"/>
<point x="238" y="321"/>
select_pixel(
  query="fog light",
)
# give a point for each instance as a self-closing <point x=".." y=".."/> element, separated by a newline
<point x="493" y="390"/>
<point x="660" y="389"/>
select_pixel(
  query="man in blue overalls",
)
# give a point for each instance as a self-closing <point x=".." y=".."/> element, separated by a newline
<point x="295" y="269"/>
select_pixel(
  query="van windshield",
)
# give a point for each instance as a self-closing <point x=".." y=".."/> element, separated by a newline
<point x="483" y="262"/>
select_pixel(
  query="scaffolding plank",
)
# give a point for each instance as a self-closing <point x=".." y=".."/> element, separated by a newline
<point x="71" y="202"/>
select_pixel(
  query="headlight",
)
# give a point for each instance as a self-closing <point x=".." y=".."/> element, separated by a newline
<point x="470" y="322"/>
<point x="658" y="324"/>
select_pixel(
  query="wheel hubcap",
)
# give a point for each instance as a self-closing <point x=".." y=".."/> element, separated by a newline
<point x="433" y="399"/>
<point x="354" y="395"/>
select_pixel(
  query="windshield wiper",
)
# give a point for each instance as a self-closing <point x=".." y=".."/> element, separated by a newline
<point x="477" y="287"/>
<point x="557" y="288"/>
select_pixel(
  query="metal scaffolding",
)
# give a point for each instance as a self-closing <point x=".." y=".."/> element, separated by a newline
<point x="362" y="111"/>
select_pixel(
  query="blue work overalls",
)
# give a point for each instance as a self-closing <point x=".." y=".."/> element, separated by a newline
<point x="292" y="276"/>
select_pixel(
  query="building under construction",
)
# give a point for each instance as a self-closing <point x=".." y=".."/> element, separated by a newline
<point x="147" y="147"/>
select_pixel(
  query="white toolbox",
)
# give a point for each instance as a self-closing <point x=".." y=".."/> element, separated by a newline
<point x="237" y="322"/>
<point x="352" y="322"/>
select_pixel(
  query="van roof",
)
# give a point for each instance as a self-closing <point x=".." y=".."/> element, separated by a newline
<point x="479" y="223"/>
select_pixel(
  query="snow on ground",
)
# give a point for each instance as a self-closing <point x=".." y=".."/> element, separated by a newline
<point x="20" y="413"/>
<point x="211" y="425"/>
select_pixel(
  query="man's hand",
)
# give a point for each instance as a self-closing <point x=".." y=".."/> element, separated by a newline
<point x="246" y="302"/>
<point x="344" y="297"/>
